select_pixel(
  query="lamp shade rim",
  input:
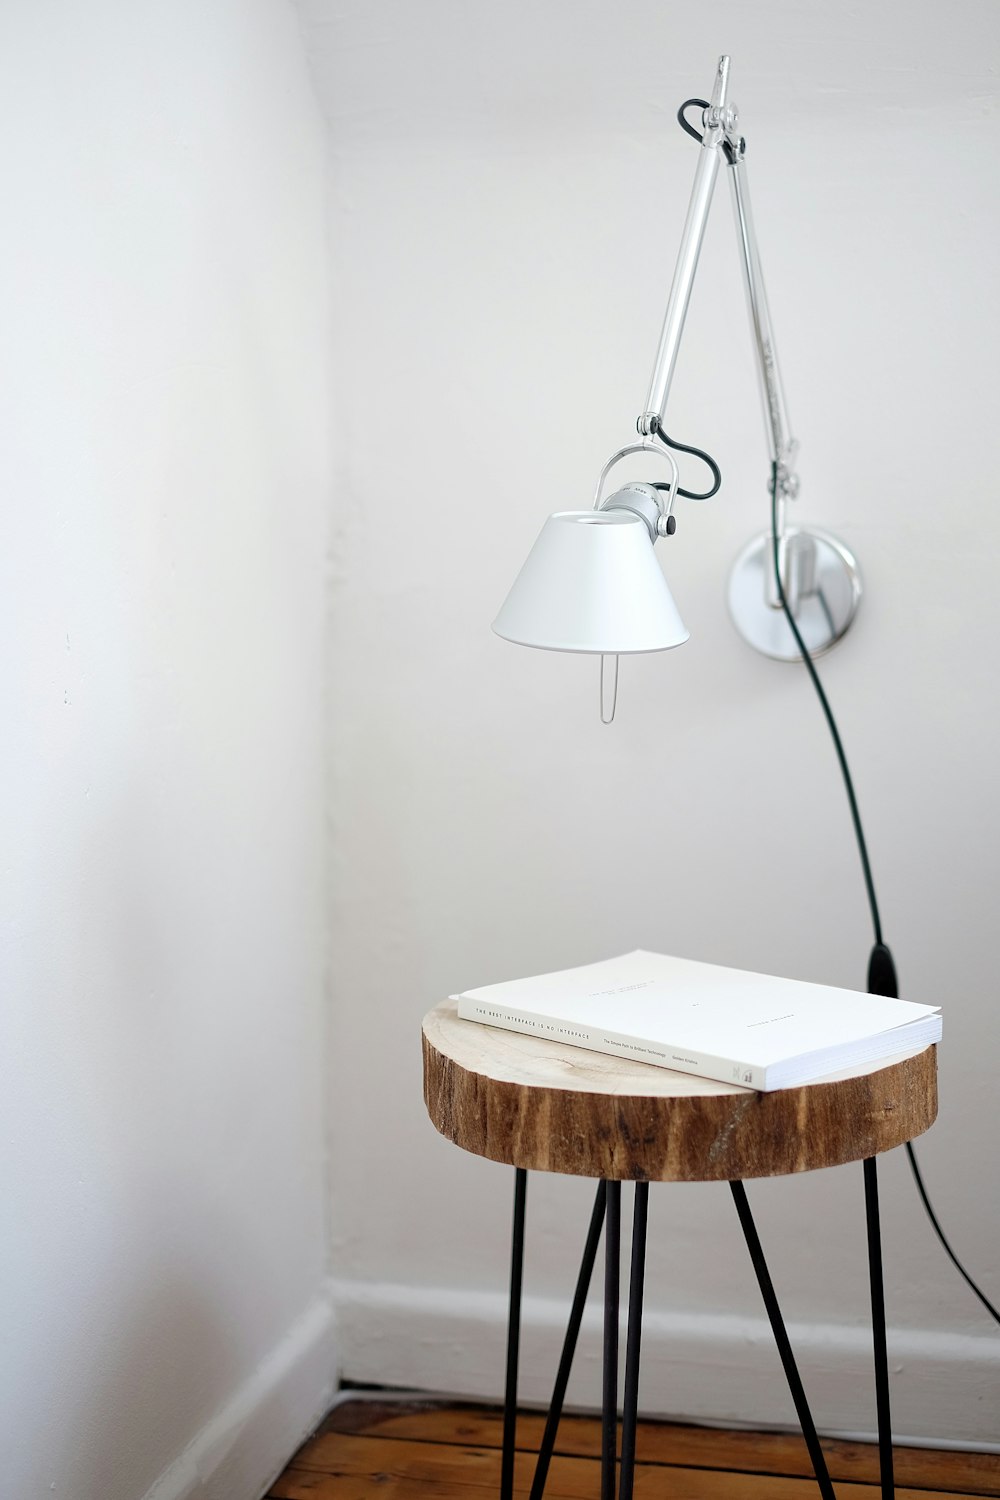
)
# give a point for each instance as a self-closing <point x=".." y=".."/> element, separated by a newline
<point x="590" y="650"/>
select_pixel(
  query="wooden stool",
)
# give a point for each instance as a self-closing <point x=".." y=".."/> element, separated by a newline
<point x="545" y="1106"/>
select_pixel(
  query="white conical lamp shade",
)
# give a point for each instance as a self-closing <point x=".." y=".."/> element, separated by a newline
<point x="592" y="583"/>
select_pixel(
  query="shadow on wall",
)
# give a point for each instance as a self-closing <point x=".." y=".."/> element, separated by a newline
<point x="142" y="1273"/>
<point x="164" y="1350"/>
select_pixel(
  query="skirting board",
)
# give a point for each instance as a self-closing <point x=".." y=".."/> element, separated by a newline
<point x="945" y="1388"/>
<point x="248" y="1441"/>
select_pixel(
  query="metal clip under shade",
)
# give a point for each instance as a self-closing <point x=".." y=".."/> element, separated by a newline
<point x="609" y="686"/>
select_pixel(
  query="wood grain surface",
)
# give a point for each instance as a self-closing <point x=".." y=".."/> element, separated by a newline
<point x="436" y="1451"/>
<point x="550" y="1107"/>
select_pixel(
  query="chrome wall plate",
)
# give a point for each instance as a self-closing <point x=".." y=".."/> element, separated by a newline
<point x="826" y="606"/>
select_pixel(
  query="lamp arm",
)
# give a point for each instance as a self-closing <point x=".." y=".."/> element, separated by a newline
<point x="781" y="445"/>
<point x="819" y="584"/>
<point x="721" y="136"/>
<point x="719" y="120"/>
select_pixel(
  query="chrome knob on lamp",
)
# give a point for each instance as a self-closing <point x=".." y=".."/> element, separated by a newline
<point x="591" y="582"/>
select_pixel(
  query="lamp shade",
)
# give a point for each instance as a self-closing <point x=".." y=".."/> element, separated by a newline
<point x="592" y="583"/>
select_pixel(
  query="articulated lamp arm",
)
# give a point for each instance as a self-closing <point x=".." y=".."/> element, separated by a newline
<point x="718" y="116"/>
<point x="820" y="576"/>
<point x="721" y="137"/>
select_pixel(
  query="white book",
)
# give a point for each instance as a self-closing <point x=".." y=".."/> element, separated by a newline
<point x="729" y="1024"/>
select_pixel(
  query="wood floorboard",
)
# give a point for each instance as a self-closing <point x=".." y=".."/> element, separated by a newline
<point x="671" y="1443"/>
<point x="400" y="1450"/>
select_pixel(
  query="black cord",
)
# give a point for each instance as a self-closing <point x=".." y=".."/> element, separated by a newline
<point x="682" y="117"/>
<point x="940" y="1234"/>
<point x="831" y="721"/>
<point x="881" y="969"/>
<point x="698" y="453"/>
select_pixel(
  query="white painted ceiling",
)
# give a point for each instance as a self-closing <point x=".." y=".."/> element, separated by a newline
<point x="391" y="69"/>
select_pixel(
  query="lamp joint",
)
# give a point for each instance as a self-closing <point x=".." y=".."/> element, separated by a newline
<point x="788" y="482"/>
<point x="722" y="123"/>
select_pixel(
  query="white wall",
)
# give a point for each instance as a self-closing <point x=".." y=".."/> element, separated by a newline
<point x="164" y="458"/>
<point x="508" y="188"/>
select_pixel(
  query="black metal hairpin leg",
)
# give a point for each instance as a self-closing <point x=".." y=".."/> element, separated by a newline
<point x="513" y="1336"/>
<point x="878" y="1331"/>
<point x="612" y="1275"/>
<point x="636" y="1278"/>
<point x="781" y="1339"/>
<point x="569" y="1344"/>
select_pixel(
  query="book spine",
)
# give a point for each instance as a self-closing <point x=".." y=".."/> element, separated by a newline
<point x="612" y="1043"/>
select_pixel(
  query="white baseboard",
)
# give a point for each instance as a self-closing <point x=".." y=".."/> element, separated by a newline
<point x="247" y="1442"/>
<point x="945" y="1387"/>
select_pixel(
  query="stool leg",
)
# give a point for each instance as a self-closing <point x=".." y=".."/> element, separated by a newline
<point x="513" y="1335"/>
<point x="878" y="1331"/>
<point x="635" y="1287"/>
<point x="612" y="1273"/>
<point x="782" y="1341"/>
<point x="569" y="1344"/>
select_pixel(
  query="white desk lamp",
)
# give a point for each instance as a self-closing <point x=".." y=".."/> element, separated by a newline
<point x="591" y="583"/>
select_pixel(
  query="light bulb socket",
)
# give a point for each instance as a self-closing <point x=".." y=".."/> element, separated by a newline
<point x="643" y="500"/>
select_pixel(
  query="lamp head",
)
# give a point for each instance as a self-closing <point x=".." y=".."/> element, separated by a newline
<point x="591" y="583"/>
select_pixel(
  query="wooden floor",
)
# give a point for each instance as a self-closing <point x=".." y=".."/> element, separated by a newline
<point x="400" y="1451"/>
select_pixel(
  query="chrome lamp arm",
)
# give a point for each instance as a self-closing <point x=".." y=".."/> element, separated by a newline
<point x="721" y="135"/>
<point x="819" y="575"/>
<point x="719" y="118"/>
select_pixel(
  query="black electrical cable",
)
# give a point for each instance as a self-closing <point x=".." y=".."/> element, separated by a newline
<point x="940" y="1234"/>
<point x="831" y="721"/>
<point x="698" y="453"/>
<point x="881" y="969"/>
<point x="683" y="121"/>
